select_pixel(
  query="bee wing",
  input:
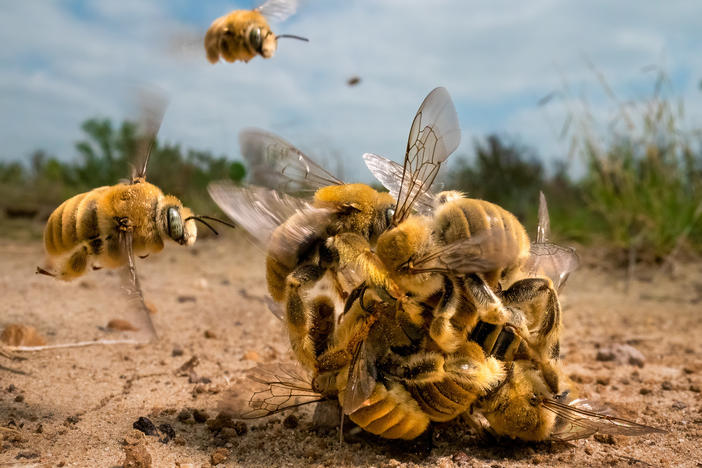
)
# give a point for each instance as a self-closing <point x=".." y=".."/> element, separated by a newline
<point x="580" y="418"/>
<point x="554" y="261"/>
<point x="360" y="384"/>
<point x="136" y="307"/>
<point x="153" y="106"/>
<point x="389" y="173"/>
<point x="258" y="210"/>
<point x="278" y="387"/>
<point x="276" y="164"/>
<point x="278" y="10"/>
<point x="547" y="258"/>
<point x="434" y="135"/>
<point x="477" y="254"/>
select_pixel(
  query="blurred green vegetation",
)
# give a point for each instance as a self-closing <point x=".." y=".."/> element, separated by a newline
<point x="641" y="193"/>
<point x="36" y="188"/>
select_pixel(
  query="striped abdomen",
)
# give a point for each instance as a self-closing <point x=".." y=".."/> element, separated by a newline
<point x="75" y="221"/>
<point x="391" y="413"/>
<point x="505" y="238"/>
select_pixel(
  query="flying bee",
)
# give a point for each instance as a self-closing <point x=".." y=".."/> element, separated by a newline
<point x="243" y="34"/>
<point x="107" y="226"/>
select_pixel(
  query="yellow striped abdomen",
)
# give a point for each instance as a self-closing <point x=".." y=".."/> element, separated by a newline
<point x="391" y="413"/>
<point x="463" y="218"/>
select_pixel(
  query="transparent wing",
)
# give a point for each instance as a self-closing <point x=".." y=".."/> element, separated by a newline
<point x="481" y="253"/>
<point x="547" y="258"/>
<point x="276" y="388"/>
<point x="360" y="383"/>
<point x="579" y="419"/>
<point x="258" y="210"/>
<point x="434" y="135"/>
<point x="137" y="310"/>
<point x="153" y="106"/>
<point x="554" y="261"/>
<point x="276" y="164"/>
<point x="389" y="173"/>
<point x="278" y="10"/>
<point x="543" y="229"/>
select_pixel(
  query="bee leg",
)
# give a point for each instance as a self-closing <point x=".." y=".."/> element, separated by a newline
<point x="41" y="271"/>
<point x="299" y="315"/>
<point x="538" y="301"/>
<point x="490" y="308"/>
<point x="354" y="250"/>
<point x="484" y="433"/>
<point x="453" y="317"/>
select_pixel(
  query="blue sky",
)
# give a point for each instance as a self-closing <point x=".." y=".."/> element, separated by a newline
<point x="65" y="61"/>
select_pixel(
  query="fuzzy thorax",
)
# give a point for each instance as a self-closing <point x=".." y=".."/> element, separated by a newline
<point x="361" y="209"/>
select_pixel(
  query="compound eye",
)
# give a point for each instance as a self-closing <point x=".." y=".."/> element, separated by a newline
<point x="389" y="213"/>
<point x="255" y="39"/>
<point x="175" y="223"/>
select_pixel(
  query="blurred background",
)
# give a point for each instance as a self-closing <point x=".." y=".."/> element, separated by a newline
<point x="597" y="104"/>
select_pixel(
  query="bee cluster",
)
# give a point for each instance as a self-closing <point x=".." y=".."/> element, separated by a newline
<point x="409" y="307"/>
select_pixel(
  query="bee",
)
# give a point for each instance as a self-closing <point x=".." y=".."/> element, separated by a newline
<point x="108" y="226"/>
<point x="243" y="34"/>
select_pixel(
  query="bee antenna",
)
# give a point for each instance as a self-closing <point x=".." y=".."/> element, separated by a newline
<point x="212" y="218"/>
<point x="292" y="36"/>
<point x="203" y="222"/>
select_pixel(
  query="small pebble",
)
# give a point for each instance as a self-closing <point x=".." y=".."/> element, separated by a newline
<point x="605" y="439"/>
<point x="200" y="416"/>
<point x="19" y="398"/>
<point x="183" y="299"/>
<point x="251" y="356"/>
<point x="665" y="385"/>
<point x="209" y="334"/>
<point x="177" y="352"/>
<point x="644" y="391"/>
<point x="145" y="425"/>
<point x="695" y="388"/>
<point x="184" y="415"/>
<point x="219" y="456"/>
<point x="11" y="388"/>
<point x="290" y="422"/>
<point x="168" y="433"/>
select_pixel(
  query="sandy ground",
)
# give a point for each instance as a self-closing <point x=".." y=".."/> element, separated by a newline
<point x="75" y="407"/>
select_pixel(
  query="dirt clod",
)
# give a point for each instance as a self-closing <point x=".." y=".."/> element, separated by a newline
<point x="136" y="456"/>
<point x="121" y="325"/>
<point x="27" y="455"/>
<point x="621" y="354"/>
<point x="17" y="334"/>
<point x="200" y="416"/>
<point x="167" y="433"/>
<point x="184" y="415"/>
<point x="605" y="439"/>
<point x="251" y="356"/>
<point x="219" y="456"/>
<point x="145" y="425"/>
<point x="290" y="422"/>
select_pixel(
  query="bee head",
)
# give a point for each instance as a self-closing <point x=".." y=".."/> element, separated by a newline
<point x="359" y="208"/>
<point x="398" y="246"/>
<point x="515" y="409"/>
<point x="176" y="221"/>
<point x="261" y="39"/>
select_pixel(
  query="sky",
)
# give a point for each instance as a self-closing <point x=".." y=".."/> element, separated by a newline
<point x="62" y="62"/>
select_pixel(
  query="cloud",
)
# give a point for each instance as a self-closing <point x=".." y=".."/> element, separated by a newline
<point x="67" y="62"/>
